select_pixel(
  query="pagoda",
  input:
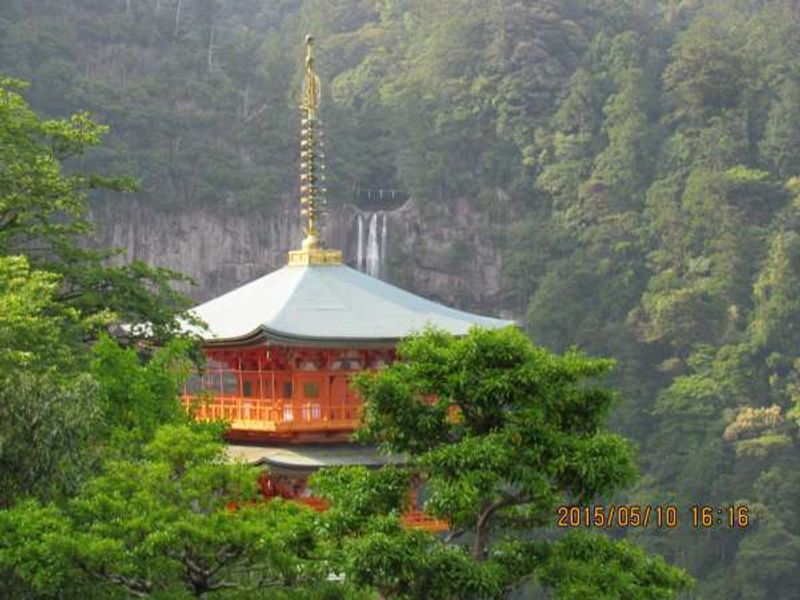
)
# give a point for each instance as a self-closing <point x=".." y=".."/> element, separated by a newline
<point x="281" y="349"/>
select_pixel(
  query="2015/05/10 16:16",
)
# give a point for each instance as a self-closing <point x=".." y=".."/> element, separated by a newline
<point x="705" y="516"/>
<point x="646" y="515"/>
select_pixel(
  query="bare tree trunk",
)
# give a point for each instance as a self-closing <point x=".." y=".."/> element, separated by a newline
<point x="211" y="49"/>
<point x="177" y="20"/>
<point x="246" y="102"/>
<point x="481" y="545"/>
<point x="483" y="530"/>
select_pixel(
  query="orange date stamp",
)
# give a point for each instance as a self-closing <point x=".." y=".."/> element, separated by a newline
<point x="666" y="516"/>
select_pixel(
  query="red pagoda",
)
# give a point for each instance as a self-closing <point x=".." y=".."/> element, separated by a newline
<point x="281" y="349"/>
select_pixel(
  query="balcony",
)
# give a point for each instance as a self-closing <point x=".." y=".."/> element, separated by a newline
<point x="267" y="415"/>
<point x="275" y="402"/>
<point x="412" y="518"/>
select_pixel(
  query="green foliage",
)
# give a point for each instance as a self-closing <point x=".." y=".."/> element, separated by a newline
<point x="43" y="214"/>
<point x="33" y="188"/>
<point x="707" y="70"/>
<point x="582" y="566"/>
<point x="415" y="565"/>
<point x="47" y="432"/>
<point x="59" y="402"/>
<point x="645" y="152"/>
<point x="48" y="408"/>
<point x="36" y="332"/>
<point x="500" y="432"/>
<point x="358" y="494"/>
<point x="782" y="134"/>
<point x="136" y="398"/>
<point x="776" y="294"/>
<point x="209" y="113"/>
<point x="373" y="551"/>
<point x="164" y="527"/>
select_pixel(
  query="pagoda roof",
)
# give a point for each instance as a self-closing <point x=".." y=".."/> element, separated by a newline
<point x="312" y="456"/>
<point x="327" y="304"/>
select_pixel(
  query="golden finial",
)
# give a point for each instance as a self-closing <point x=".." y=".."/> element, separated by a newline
<point x="312" y="176"/>
<point x="311" y="92"/>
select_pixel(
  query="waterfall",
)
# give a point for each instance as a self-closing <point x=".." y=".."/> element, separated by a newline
<point x="371" y="229"/>
<point x="360" y="254"/>
<point x="383" y="247"/>
<point x="373" y="250"/>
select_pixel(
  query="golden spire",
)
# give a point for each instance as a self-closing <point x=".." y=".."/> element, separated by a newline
<point x="312" y="169"/>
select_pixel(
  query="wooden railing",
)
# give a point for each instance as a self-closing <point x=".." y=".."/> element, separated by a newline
<point x="318" y="504"/>
<point x="275" y="401"/>
<point x="259" y="414"/>
<point x="412" y="518"/>
<point x="417" y="519"/>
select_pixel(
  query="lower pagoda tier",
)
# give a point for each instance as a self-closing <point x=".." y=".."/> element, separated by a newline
<point x="292" y="411"/>
<point x="269" y="392"/>
<point x="288" y="467"/>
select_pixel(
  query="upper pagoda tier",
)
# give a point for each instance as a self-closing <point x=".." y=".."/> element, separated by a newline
<point x="316" y="301"/>
<point x="326" y="305"/>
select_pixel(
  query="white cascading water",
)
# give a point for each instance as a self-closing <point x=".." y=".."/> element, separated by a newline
<point x="360" y="254"/>
<point x="371" y="229"/>
<point x="373" y="247"/>
<point x="383" y="246"/>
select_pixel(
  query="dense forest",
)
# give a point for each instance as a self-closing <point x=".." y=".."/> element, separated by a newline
<point x="649" y="158"/>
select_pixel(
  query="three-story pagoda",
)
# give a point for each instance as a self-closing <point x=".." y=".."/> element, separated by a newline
<point x="281" y="349"/>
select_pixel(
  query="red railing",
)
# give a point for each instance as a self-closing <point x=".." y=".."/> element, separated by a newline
<point x="417" y="519"/>
<point x="259" y="414"/>
<point x="318" y="504"/>
<point x="267" y="401"/>
<point x="412" y="518"/>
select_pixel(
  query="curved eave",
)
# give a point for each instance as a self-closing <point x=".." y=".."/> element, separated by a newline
<point x="269" y="335"/>
<point x="313" y="457"/>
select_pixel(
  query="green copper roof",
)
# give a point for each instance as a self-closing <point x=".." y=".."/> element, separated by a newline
<point x="331" y="303"/>
<point x="310" y="457"/>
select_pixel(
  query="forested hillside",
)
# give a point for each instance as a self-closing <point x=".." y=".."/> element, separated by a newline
<point x="648" y="155"/>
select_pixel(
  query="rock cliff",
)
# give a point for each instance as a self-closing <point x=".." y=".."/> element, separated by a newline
<point x="449" y="254"/>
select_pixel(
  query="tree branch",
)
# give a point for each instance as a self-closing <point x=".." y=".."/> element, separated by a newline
<point x="138" y="588"/>
<point x="453" y="534"/>
<point x="483" y="527"/>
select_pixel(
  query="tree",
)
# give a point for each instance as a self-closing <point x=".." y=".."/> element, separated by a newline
<point x="43" y="215"/>
<point x="707" y="69"/>
<point x="37" y="334"/>
<point x="640" y="211"/>
<point x="61" y="401"/>
<point x="777" y="295"/>
<point x="47" y="406"/>
<point x="501" y="432"/>
<point x="136" y="397"/>
<point x="47" y="433"/>
<point x="182" y="522"/>
<point x="781" y="143"/>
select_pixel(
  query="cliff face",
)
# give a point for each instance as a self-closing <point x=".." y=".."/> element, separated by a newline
<point x="447" y="254"/>
<point x="450" y="253"/>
